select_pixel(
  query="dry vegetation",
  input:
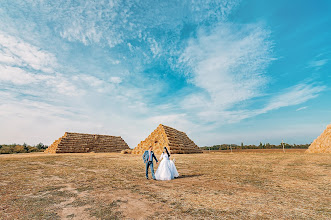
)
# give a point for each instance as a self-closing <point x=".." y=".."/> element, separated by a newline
<point x="212" y="185"/>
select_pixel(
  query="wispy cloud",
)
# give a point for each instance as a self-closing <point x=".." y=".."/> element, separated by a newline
<point x="295" y="95"/>
<point x="115" y="79"/>
<point x="16" y="52"/>
<point x="292" y="96"/>
<point x="301" y="108"/>
<point x="140" y="24"/>
<point x="35" y="92"/>
<point x="228" y="63"/>
<point x="318" y="63"/>
<point x="116" y="66"/>
<point x="16" y="75"/>
<point x="31" y="68"/>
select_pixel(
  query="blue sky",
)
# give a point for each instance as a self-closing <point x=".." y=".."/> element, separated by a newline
<point x="222" y="71"/>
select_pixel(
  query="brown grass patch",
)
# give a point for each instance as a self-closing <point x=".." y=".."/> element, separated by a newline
<point x="112" y="186"/>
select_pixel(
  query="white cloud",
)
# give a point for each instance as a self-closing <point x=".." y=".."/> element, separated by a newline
<point x="301" y="108"/>
<point x="293" y="96"/>
<point x="318" y="63"/>
<point x="15" y="51"/>
<point x="61" y="85"/>
<point x="115" y="79"/>
<point x="31" y="83"/>
<point x="90" y="80"/>
<point x="130" y="47"/>
<point x="31" y="68"/>
<point x="155" y="47"/>
<point x="34" y="121"/>
<point x="16" y="75"/>
<point x="83" y="31"/>
<point x="215" y="10"/>
<point x="115" y="22"/>
<point x="228" y="63"/>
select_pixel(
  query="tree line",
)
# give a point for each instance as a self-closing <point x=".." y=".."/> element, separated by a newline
<point x="25" y="148"/>
<point x="260" y="146"/>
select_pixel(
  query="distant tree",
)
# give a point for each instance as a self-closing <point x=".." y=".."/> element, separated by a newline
<point x="19" y="149"/>
<point x="6" y="149"/>
<point x="260" y="146"/>
<point x="25" y="147"/>
<point x="41" y="146"/>
<point x="33" y="149"/>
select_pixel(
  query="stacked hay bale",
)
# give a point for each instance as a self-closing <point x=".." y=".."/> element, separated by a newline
<point x="322" y="144"/>
<point x="52" y="148"/>
<point x="84" y="143"/>
<point x="127" y="151"/>
<point x="176" y="141"/>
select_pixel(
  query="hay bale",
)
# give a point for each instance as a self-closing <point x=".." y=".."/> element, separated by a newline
<point x="164" y="136"/>
<point x="321" y="144"/>
<point x="127" y="151"/>
<point x="85" y="143"/>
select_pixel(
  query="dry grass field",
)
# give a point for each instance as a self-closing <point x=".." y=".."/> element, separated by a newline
<point x="251" y="185"/>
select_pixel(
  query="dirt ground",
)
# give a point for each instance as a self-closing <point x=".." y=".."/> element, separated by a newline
<point x="257" y="151"/>
<point x="249" y="185"/>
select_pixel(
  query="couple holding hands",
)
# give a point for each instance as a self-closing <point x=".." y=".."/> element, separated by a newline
<point x="166" y="170"/>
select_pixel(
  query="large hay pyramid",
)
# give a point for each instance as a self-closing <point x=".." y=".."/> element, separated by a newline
<point x="176" y="141"/>
<point x="322" y="144"/>
<point x="84" y="143"/>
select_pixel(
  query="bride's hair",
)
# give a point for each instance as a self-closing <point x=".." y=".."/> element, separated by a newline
<point x="166" y="151"/>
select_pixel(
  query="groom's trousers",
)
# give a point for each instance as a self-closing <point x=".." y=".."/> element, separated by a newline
<point x="150" y="164"/>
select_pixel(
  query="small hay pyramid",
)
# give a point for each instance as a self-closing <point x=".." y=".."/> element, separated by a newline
<point x="322" y="144"/>
<point x="85" y="143"/>
<point x="176" y="141"/>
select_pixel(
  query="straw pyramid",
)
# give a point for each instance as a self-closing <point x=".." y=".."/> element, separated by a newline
<point x="322" y="144"/>
<point x="176" y="141"/>
<point x="84" y="143"/>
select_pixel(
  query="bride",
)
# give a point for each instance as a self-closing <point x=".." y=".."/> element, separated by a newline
<point x="167" y="169"/>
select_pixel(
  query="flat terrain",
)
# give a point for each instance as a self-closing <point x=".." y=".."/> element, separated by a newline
<point x="251" y="185"/>
<point x="257" y="151"/>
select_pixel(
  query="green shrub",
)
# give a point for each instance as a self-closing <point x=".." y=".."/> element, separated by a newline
<point x="41" y="146"/>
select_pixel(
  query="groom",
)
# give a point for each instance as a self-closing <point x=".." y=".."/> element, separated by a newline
<point x="148" y="159"/>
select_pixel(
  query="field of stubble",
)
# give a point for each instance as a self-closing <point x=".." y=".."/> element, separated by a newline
<point x="211" y="185"/>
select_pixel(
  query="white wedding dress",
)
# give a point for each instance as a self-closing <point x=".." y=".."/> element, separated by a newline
<point x="167" y="169"/>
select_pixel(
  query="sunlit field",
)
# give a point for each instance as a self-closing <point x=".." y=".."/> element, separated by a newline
<point x="251" y="185"/>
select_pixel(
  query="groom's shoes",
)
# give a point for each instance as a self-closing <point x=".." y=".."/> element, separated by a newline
<point x="146" y="178"/>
